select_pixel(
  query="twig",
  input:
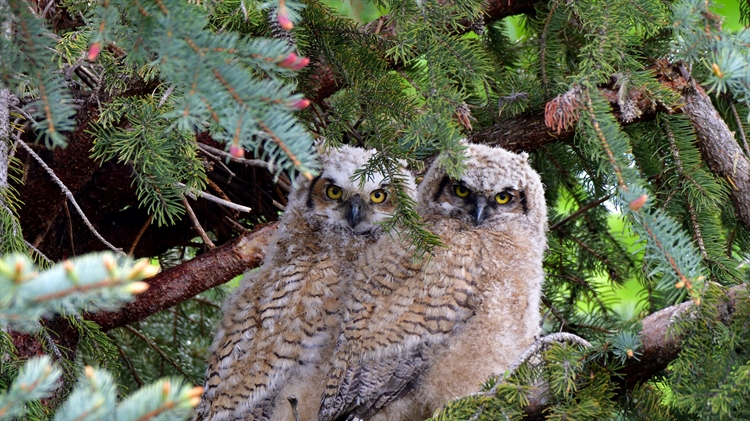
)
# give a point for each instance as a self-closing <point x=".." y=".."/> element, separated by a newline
<point x="47" y="8"/>
<point x="532" y="350"/>
<point x="36" y="250"/>
<point x="70" y="229"/>
<point x="236" y="224"/>
<point x="580" y="211"/>
<point x="219" y="161"/>
<point x="210" y="244"/>
<point x="250" y="162"/>
<point x="140" y="234"/>
<point x="68" y="194"/>
<point x="23" y="112"/>
<point x="166" y="95"/>
<point x="206" y="302"/>
<point x="128" y="362"/>
<point x="159" y="351"/>
<point x="738" y="120"/>
<point x="51" y="344"/>
<point x="212" y="198"/>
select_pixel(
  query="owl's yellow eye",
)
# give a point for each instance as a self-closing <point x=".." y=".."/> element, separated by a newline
<point x="461" y="191"/>
<point x="378" y="196"/>
<point x="503" y="198"/>
<point x="334" y="192"/>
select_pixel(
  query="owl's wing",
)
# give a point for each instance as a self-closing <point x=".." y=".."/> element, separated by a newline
<point x="389" y="338"/>
<point x="239" y="318"/>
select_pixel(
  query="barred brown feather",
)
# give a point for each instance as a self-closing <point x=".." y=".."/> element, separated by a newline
<point x="419" y="334"/>
<point x="281" y="324"/>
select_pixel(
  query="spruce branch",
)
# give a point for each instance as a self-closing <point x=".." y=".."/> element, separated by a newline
<point x="259" y="163"/>
<point x="682" y="173"/>
<point x="533" y="350"/>
<point x="158" y="350"/>
<point x="329" y="82"/>
<point x="67" y="193"/>
<point x="37" y="379"/>
<point x="580" y="211"/>
<point x="5" y="99"/>
<point x="93" y="281"/>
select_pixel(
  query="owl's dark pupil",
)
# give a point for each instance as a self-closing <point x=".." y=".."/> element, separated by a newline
<point x="334" y="191"/>
<point x="377" y="195"/>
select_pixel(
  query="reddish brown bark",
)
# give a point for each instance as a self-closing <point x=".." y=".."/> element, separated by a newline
<point x="182" y="282"/>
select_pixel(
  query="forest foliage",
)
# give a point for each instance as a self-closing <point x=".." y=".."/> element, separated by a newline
<point x="189" y="98"/>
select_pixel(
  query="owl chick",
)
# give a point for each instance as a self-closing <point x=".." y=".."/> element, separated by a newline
<point x="419" y="334"/>
<point x="283" y="318"/>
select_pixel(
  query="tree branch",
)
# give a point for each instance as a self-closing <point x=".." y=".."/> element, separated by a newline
<point x="719" y="147"/>
<point x="179" y="283"/>
<point x="659" y="346"/>
<point x="67" y="193"/>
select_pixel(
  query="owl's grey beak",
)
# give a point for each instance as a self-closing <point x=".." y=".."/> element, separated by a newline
<point x="352" y="211"/>
<point x="480" y="213"/>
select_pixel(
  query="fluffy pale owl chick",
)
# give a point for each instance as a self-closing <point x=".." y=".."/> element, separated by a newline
<point x="419" y="334"/>
<point x="282" y="319"/>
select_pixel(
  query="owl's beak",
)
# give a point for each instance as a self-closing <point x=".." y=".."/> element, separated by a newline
<point x="480" y="213"/>
<point x="352" y="211"/>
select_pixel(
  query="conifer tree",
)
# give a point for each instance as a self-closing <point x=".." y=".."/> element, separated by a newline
<point x="173" y="130"/>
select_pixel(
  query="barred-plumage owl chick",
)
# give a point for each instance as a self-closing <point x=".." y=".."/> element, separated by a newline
<point x="282" y="322"/>
<point x="419" y="334"/>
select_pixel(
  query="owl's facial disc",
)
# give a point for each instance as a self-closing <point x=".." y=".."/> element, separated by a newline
<point x="476" y="207"/>
<point x="343" y="203"/>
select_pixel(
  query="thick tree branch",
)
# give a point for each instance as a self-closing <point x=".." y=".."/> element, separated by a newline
<point x="719" y="147"/>
<point x="659" y="346"/>
<point x="182" y="282"/>
<point x="522" y="133"/>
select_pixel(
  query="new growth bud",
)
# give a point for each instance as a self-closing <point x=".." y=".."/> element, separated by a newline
<point x="109" y="263"/>
<point x="137" y="287"/>
<point x="165" y="388"/>
<point x="304" y="61"/>
<point x="94" y="51"/>
<point x="717" y="70"/>
<point x="292" y="61"/>
<point x="194" y="395"/>
<point x="289" y="61"/>
<point x="282" y="15"/>
<point x="300" y="104"/>
<point x="638" y="203"/>
<point x="236" y="151"/>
